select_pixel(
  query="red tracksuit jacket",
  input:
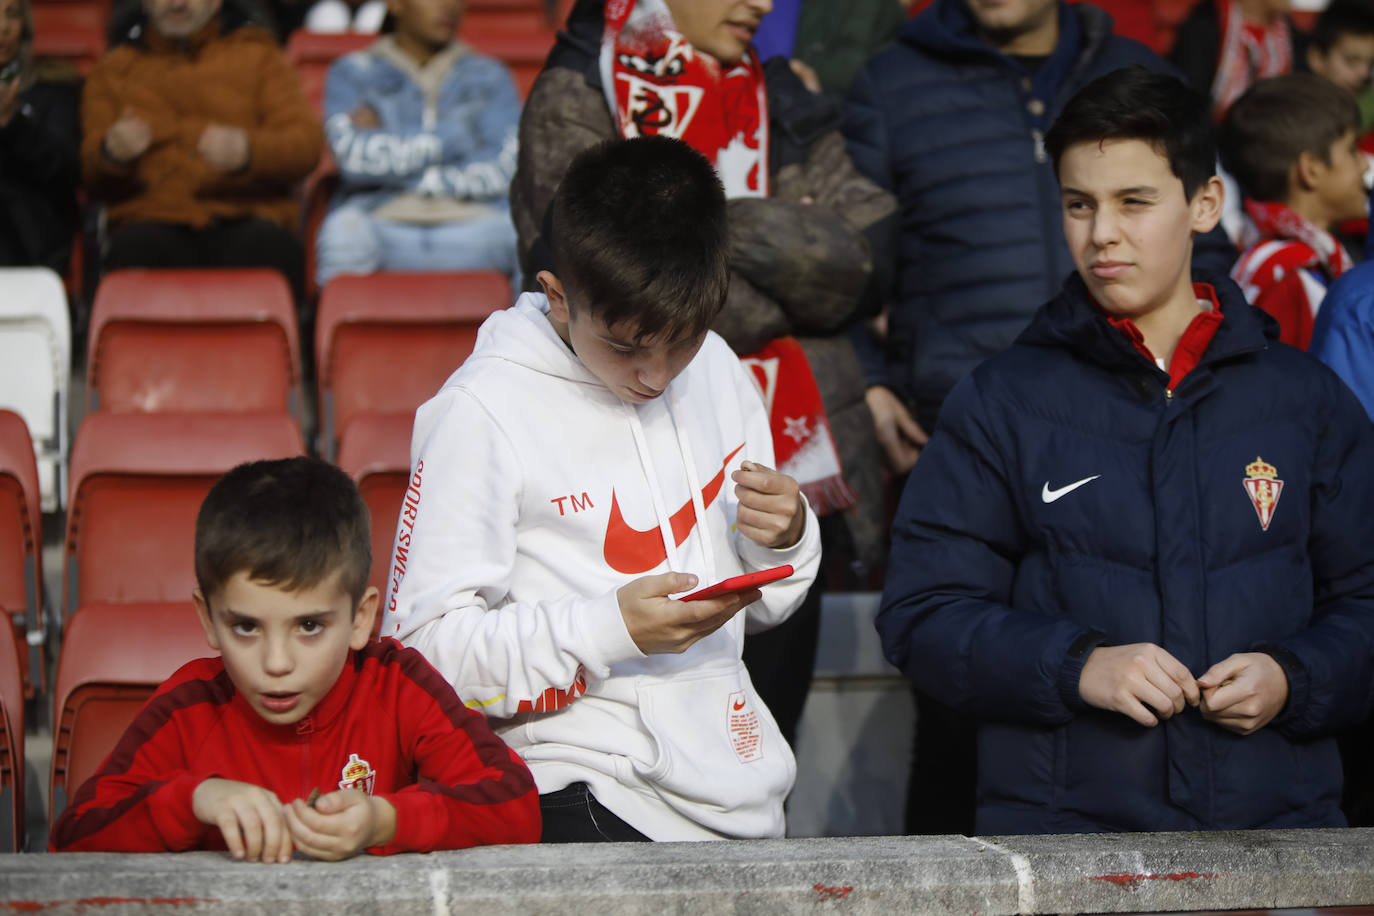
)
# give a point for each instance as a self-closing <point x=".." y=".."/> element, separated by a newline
<point x="391" y="726"/>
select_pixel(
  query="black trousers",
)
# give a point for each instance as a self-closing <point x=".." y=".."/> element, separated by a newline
<point x="573" y="815"/>
<point x="223" y="243"/>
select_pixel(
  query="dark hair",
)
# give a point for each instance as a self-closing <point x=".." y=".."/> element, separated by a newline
<point x="1341" y="17"/>
<point x="290" y="523"/>
<point x="1139" y="104"/>
<point x="1275" y="121"/>
<point x="639" y="237"/>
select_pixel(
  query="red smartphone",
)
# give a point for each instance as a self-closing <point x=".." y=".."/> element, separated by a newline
<point x="740" y="583"/>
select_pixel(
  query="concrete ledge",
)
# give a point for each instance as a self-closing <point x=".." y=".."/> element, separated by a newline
<point x="879" y="875"/>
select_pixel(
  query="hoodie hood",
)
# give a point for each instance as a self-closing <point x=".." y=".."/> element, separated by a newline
<point x="522" y="334"/>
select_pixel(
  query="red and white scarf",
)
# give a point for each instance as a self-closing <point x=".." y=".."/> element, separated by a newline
<point x="658" y="84"/>
<point x="1277" y="221"/>
<point x="1249" y="52"/>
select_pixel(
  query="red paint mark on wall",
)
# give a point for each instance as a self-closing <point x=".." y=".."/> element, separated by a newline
<point x="824" y="892"/>
<point x="1131" y="882"/>
<point x="35" y="906"/>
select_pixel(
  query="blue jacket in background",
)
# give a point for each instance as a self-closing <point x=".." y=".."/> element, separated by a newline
<point x="458" y="140"/>
<point x="1343" y="336"/>
<point x="998" y="589"/>
<point x="953" y="128"/>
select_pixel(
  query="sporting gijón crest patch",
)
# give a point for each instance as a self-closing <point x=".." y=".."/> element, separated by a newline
<point x="1263" y="486"/>
<point x="357" y="774"/>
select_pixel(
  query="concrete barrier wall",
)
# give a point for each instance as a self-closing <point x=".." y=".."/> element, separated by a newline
<point x="1118" y="873"/>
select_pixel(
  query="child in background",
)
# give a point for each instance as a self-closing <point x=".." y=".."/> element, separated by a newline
<point x="304" y="734"/>
<point x="599" y="453"/>
<point x="1292" y="144"/>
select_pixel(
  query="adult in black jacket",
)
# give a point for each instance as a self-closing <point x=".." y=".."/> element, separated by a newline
<point x="39" y="138"/>
<point x="950" y="120"/>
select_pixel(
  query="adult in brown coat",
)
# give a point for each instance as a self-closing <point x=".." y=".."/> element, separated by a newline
<point x="195" y="128"/>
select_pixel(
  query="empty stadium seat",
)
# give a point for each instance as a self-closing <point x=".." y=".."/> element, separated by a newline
<point x="113" y="657"/>
<point x="523" y="51"/>
<point x="385" y="342"/>
<point x="312" y="53"/>
<point x="191" y="340"/>
<point x="21" y="542"/>
<point x="376" y="454"/>
<point x="137" y="484"/>
<point x="70" y="31"/>
<point x="35" y="368"/>
<point x="11" y="740"/>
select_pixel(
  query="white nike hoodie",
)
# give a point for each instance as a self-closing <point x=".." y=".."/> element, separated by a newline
<point x="535" y="494"/>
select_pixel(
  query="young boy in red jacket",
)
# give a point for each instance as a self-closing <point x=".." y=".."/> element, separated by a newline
<point x="305" y="734"/>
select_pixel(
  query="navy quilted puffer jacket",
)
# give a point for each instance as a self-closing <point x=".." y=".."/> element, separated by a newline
<point x="998" y="587"/>
<point x="952" y="128"/>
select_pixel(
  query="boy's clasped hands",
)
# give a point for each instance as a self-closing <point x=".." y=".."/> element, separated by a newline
<point x="1241" y="693"/>
<point x="257" y="827"/>
<point x="771" y="513"/>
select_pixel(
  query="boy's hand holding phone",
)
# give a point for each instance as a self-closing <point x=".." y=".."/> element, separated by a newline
<point x="249" y="817"/>
<point x="340" y="824"/>
<point x="660" y="625"/>
<point x="771" y="512"/>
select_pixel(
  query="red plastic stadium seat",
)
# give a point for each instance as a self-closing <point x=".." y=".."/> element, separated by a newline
<point x="70" y="31"/>
<point x="137" y="484"/>
<point x="170" y="340"/>
<point x="21" y="537"/>
<point x="385" y="342"/>
<point x="113" y="657"/>
<point x="312" y="53"/>
<point x="523" y="51"/>
<point x="11" y="741"/>
<point x="376" y="453"/>
<point x="316" y="194"/>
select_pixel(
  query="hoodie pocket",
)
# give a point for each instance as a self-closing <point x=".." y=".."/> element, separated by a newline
<point x="719" y="759"/>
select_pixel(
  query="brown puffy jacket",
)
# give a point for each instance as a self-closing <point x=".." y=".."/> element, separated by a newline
<point x="238" y="78"/>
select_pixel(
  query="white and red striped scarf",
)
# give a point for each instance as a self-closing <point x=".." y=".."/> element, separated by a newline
<point x="1279" y="244"/>
<point x="1249" y="52"/>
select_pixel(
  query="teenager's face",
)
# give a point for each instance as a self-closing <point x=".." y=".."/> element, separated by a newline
<point x="11" y="28"/>
<point x="635" y="371"/>
<point x="1347" y="64"/>
<point x="1130" y="227"/>
<point x="284" y="650"/>
<point x="721" y="28"/>
<point x="180" y="18"/>
<point x="1002" y="21"/>
<point x="429" y="24"/>
<point x="1340" y="182"/>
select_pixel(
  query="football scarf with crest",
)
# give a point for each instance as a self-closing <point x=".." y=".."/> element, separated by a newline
<point x="658" y="84"/>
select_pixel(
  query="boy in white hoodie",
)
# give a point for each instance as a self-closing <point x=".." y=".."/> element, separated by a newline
<point x="569" y="479"/>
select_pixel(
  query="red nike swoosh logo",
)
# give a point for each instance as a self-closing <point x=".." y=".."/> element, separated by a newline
<point x="631" y="551"/>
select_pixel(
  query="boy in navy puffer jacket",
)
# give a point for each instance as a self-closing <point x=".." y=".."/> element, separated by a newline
<point x="1139" y="549"/>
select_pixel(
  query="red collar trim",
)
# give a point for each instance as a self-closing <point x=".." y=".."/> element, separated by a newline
<point x="1194" y="342"/>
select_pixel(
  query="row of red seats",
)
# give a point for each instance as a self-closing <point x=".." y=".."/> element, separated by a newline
<point x="190" y="373"/>
<point x="515" y="31"/>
